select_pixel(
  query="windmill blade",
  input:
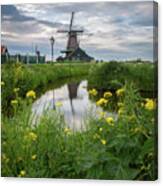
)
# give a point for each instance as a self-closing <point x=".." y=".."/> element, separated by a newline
<point x="77" y="31"/>
<point x="71" y="22"/>
<point x="62" y="31"/>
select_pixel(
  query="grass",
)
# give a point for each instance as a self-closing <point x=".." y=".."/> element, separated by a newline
<point x="114" y="75"/>
<point x="123" y="147"/>
<point x="103" y="76"/>
<point x="35" y="77"/>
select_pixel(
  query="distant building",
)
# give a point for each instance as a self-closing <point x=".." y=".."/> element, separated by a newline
<point x="27" y="59"/>
<point x="4" y="54"/>
<point x="79" y="55"/>
<point x="4" y="50"/>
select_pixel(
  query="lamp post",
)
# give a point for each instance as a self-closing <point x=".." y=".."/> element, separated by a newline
<point x="52" y="40"/>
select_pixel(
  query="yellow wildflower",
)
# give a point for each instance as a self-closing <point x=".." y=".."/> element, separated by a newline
<point x="32" y="136"/>
<point x="120" y="104"/>
<point x="120" y="111"/>
<point x="101" y="102"/>
<point x="93" y="92"/>
<point x="33" y="157"/>
<point x="107" y="94"/>
<point x="96" y="136"/>
<point x="2" y="83"/>
<point x="137" y="129"/>
<point x="120" y="92"/>
<point x="16" y="90"/>
<point x="58" y="104"/>
<point x="103" y="141"/>
<point x="22" y="173"/>
<point x="31" y="94"/>
<point x="14" y="102"/>
<point x="150" y="104"/>
<point x="132" y="117"/>
<point x="101" y="114"/>
<point x="67" y="131"/>
<point x="110" y="121"/>
<point x="100" y="129"/>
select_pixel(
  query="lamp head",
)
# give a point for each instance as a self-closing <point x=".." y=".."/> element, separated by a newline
<point x="52" y="40"/>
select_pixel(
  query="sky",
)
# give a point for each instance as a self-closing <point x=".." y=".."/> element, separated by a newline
<point x="112" y="30"/>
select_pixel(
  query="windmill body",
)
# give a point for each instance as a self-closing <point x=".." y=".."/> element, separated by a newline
<point x="73" y="50"/>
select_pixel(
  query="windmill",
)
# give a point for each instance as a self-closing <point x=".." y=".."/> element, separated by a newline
<point x="73" y="50"/>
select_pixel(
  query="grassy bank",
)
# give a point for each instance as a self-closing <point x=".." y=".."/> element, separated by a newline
<point x="114" y="75"/>
<point x="103" y="76"/>
<point x="110" y="148"/>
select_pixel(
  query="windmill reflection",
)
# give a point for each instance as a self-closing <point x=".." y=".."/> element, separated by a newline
<point x="74" y="100"/>
<point x="54" y="100"/>
<point x="72" y="91"/>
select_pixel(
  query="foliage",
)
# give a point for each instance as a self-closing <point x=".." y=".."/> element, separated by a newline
<point x="117" y="148"/>
<point x="113" y="75"/>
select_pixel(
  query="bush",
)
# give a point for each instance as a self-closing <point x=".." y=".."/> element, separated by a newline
<point x="113" y="75"/>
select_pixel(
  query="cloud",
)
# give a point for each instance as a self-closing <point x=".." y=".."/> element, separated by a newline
<point x="111" y="29"/>
<point x="10" y="13"/>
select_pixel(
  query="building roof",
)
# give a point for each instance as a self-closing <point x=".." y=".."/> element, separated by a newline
<point x="79" y="54"/>
<point x="4" y="49"/>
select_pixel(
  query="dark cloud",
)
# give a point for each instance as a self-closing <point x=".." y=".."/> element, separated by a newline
<point x="141" y="20"/>
<point x="10" y="13"/>
<point x="139" y="46"/>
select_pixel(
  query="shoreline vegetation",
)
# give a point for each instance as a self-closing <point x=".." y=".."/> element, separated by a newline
<point x="123" y="148"/>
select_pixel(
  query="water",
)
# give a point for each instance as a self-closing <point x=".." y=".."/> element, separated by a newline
<point x="75" y="102"/>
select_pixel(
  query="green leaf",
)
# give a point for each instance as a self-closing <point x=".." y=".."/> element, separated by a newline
<point x="147" y="147"/>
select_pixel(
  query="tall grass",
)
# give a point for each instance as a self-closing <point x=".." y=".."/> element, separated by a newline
<point x="123" y="149"/>
<point x="35" y="77"/>
<point x="113" y="75"/>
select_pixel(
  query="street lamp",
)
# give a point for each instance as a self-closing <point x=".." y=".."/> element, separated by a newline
<point x="52" y="40"/>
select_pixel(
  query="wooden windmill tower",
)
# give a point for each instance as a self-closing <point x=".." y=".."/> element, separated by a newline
<point x="73" y="51"/>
